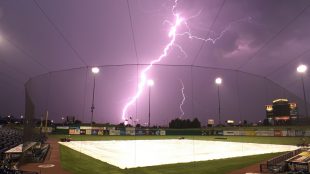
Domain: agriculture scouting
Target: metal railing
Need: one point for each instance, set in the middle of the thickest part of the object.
(276, 163)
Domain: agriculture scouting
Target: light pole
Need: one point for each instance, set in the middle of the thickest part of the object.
(302, 70)
(62, 119)
(150, 83)
(218, 81)
(95, 70)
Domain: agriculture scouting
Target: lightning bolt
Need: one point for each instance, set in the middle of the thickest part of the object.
(183, 100)
(172, 34)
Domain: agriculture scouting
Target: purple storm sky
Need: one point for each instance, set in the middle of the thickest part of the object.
(48, 45)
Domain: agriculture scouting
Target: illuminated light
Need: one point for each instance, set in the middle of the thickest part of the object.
(210, 121)
(293, 105)
(150, 83)
(218, 80)
(95, 70)
(230, 121)
(302, 68)
(282, 118)
(269, 108)
(280, 100)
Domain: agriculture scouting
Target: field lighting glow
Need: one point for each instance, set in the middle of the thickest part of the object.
(302, 68)
(218, 80)
(95, 70)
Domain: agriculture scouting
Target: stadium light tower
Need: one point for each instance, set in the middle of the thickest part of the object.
(218, 82)
(62, 120)
(302, 69)
(95, 70)
(150, 83)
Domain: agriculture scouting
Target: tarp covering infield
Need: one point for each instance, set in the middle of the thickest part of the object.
(141, 153)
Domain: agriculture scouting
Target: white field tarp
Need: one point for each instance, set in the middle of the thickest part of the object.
(141, 153)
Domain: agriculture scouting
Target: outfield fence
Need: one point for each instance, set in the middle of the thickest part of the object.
(131, 131)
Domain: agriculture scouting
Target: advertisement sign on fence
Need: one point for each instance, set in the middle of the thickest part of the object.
(100, 132)
(94, 131)
(88, 131)
(62, 127)
(231, 133)
(250, 133)
(74, 131)
(284, 133)
(265, 133)
(82, 132)
(307, 133)
(291, 133)
(278, 133)
(130, 131)
(115, 132)
(299, 133)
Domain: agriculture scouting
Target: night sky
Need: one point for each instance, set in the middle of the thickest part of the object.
(49, 47)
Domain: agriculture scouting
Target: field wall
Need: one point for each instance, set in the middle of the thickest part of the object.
(130, 131)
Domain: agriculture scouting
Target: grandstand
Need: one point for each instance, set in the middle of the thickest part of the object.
(15, 151)
(9, 138)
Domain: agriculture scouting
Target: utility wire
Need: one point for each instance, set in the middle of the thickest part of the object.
(60, 33)
(274, 37)
(287, 63)
(135, 48)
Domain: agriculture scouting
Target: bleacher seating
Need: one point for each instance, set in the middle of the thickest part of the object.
(9, 138)
(8, 171)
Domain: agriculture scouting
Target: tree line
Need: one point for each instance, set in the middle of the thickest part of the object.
(184, 123)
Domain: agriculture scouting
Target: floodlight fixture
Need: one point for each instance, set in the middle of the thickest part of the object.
(302, 68)
(95, 70)
(218, 81)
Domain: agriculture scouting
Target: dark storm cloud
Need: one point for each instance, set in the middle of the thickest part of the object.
(258, 22)
(264, 39)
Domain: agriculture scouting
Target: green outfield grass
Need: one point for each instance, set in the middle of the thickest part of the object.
(78, 163)
(246, 139)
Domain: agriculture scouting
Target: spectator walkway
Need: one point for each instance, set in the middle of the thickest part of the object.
(51, 165)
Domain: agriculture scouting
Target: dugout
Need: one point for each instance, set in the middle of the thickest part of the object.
(299, 163)
(14, 154)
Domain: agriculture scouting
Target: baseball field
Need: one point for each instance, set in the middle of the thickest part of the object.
(78, 163)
